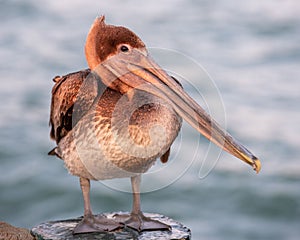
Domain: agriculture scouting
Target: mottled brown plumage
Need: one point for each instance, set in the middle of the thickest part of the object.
(77, 111)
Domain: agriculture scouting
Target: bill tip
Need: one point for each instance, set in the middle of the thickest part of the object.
(256, 165)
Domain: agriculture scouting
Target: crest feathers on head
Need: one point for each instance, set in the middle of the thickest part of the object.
(101, 19)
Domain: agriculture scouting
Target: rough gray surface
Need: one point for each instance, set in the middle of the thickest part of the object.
(58, 230)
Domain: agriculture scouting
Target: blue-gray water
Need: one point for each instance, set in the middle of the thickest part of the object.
(252, 51)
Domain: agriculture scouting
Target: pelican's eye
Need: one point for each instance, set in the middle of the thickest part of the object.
(124, 48)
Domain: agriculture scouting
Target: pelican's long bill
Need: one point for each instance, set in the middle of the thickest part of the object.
(135, 69)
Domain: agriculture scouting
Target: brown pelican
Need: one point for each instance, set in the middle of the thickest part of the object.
(116, 118)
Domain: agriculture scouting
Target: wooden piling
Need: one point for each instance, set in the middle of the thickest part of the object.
(59, 230)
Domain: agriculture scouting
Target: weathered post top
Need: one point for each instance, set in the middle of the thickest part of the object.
(59, 230)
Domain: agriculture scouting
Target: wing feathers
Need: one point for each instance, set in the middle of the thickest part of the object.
(72, 96)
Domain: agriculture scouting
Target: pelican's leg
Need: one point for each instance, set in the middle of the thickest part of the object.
(137, 220)
(91, 223)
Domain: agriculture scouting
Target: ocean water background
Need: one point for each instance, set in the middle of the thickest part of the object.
(251, 51)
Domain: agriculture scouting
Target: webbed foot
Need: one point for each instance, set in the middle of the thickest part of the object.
(97, 223)
(141, 223)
